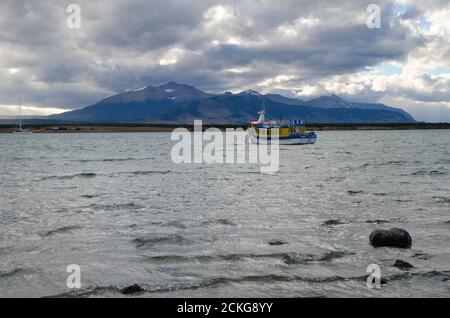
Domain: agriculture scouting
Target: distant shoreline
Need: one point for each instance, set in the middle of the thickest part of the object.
(118, 128)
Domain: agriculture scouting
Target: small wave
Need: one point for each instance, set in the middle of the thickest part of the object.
(6, 250)
(87, 196)
(142, 288)
(332, 255)
(402, 200)
(379, 194)
(105, 160)
(399, 220)
(428, 172)
(299, 258)
(264, 279)
(426, 275)
(377, 221)
(84, 175)
(149, 172)
(219, 222)
(345, 152)
(113, 159)
(211, 258)
(68, 177)
(145, 172)
(333, 222)
(249, 172)
(176, 224)
(169, 258)
(354, 192)
(335, 178)
(207, 283)
(63, 229)
(87, 292)
(117, 159)
(10, 272)
(392, 163)
(114, 207)
(421, 256)
(441, 199)
(276, 242)
(151, 241)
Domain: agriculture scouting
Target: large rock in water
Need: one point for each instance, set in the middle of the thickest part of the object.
(133, 289)
(390, 238)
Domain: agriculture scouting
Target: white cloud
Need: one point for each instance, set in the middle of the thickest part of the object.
(298, 26)
(13, 110)
(239, 70)
(172, 56)
(219, 14)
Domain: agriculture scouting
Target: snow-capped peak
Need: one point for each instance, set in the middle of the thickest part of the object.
(251, 92)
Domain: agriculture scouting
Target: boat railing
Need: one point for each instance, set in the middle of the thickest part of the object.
(282, 123)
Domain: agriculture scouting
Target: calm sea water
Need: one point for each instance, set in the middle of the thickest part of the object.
(117, 206)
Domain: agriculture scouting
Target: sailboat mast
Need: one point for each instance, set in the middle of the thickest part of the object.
(20, 115)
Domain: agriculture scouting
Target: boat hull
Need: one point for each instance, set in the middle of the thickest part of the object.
(22, 132)
(295, 140)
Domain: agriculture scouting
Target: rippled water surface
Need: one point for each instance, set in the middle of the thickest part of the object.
(116, 205)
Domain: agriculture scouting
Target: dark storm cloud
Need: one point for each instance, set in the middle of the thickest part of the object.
(216, 45)
(144, 25)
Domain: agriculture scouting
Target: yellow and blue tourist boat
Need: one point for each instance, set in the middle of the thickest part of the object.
(287, 132)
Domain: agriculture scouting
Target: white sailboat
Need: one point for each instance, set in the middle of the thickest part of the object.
(19, 130)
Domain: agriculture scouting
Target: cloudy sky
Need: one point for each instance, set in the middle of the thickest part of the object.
(302, 48)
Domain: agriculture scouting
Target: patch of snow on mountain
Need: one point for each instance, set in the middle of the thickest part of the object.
(139, 89)
(251, 92)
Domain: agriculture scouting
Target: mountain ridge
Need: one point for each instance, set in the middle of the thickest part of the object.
(174, 103)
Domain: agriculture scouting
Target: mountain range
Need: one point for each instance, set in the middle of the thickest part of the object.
(174, 103)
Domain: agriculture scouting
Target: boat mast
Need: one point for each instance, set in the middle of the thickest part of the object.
(262, 113)
(20, 115)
